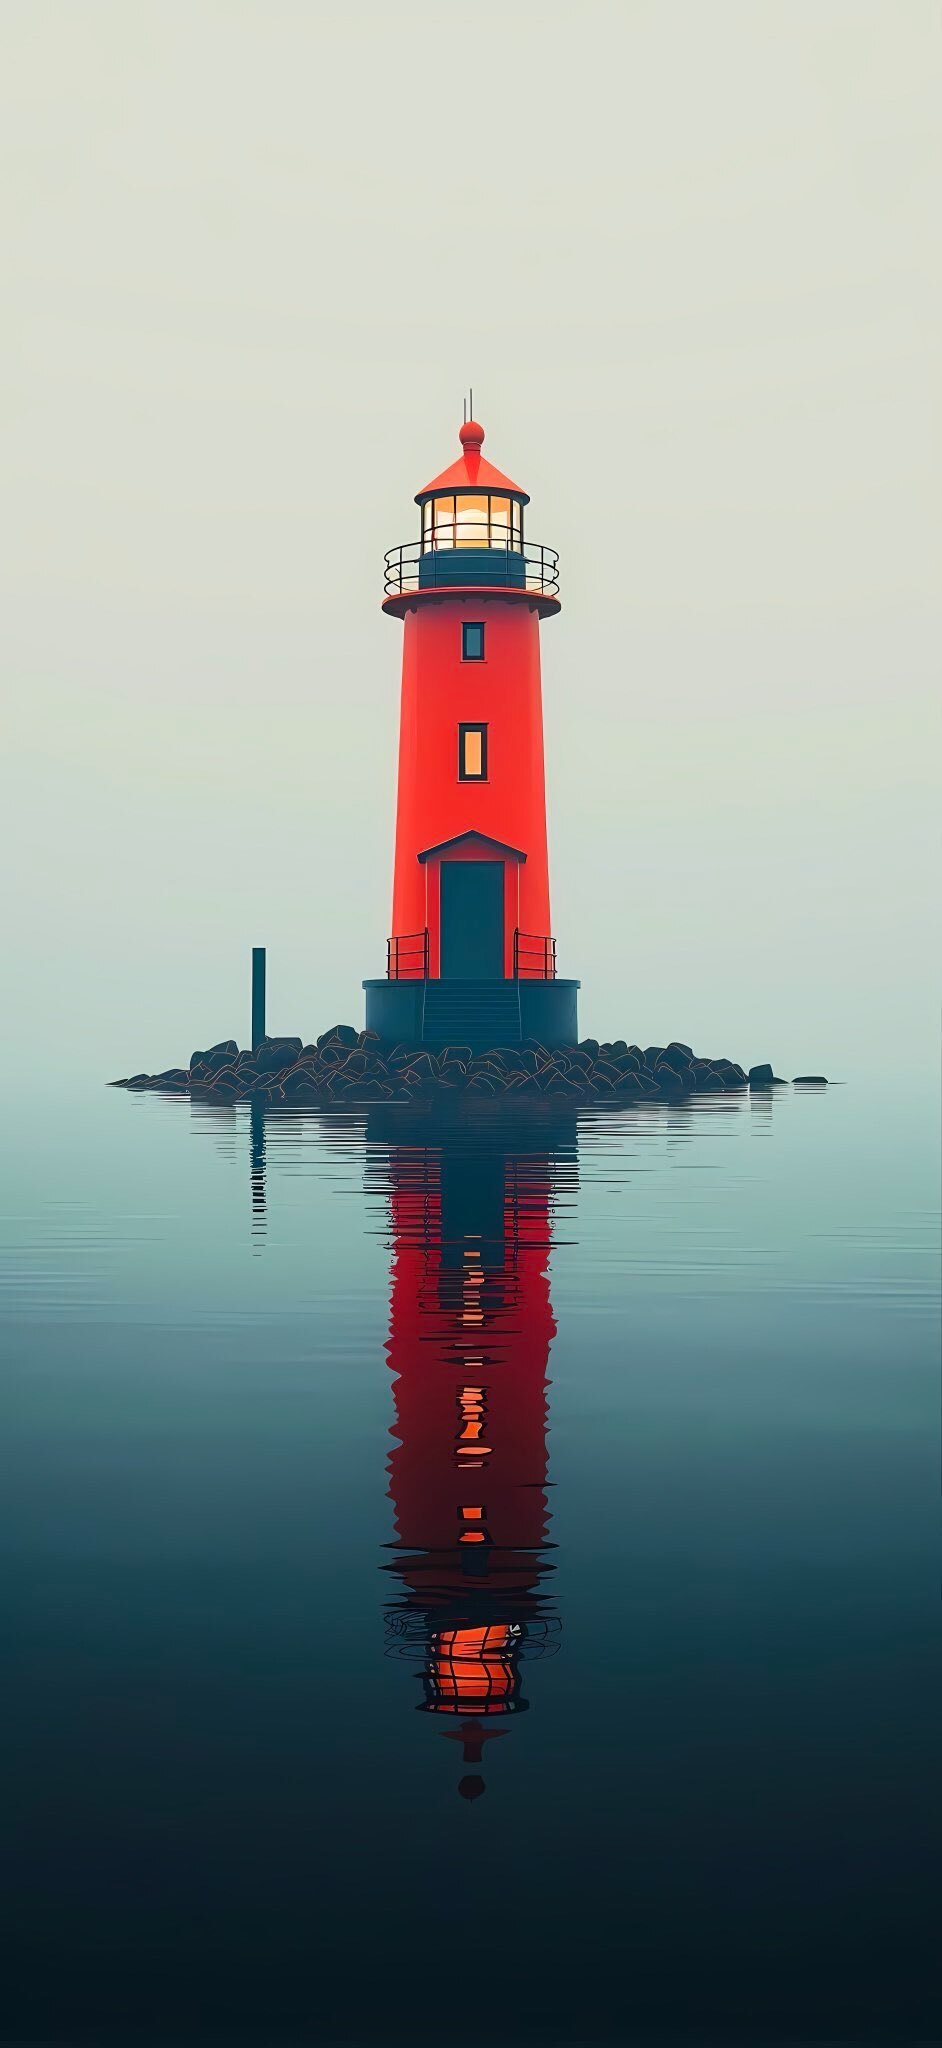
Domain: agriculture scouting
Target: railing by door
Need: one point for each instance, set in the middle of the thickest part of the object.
(534, 957)
(407, 956)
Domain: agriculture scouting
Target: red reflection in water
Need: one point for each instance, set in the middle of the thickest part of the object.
(470, 1330)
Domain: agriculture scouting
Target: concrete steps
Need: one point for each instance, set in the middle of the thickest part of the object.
(475, 1013)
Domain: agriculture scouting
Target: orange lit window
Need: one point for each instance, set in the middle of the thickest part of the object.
(470, 521)
(472, 753)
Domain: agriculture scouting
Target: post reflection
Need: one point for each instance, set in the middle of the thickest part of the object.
(470, 1329)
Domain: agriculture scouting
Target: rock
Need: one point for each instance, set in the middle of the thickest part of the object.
(761, 1077)
(652, 1054)
(709, 1082)
(733, 1076)
(675, 1057)
(211, 1062)
(810, 1080)
(677, 1045)
(339, 1034)
(273, 1059)
(368, 1038)
(403, 1055)
(589, 1045)
(618, 1047)
(509, 1057)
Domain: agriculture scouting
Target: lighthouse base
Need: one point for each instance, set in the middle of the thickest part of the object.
(475, 1013)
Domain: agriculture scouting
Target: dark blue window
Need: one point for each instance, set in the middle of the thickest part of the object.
(472, 642)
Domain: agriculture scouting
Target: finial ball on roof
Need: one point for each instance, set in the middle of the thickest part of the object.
(471, 435)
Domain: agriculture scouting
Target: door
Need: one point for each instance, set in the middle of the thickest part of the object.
(472, 909)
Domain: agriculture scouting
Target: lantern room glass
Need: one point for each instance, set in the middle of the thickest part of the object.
(472, 519)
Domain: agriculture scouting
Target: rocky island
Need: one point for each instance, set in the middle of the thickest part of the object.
(347, 1065)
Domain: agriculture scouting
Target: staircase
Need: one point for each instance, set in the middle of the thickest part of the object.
(475, 1013)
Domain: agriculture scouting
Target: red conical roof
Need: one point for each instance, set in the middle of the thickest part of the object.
(472, 472)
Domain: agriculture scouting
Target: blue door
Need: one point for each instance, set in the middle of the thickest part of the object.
(472, 904)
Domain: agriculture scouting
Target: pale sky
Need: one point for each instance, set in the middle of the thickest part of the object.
(686, 254)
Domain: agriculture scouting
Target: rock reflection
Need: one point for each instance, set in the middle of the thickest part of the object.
(470, 1330)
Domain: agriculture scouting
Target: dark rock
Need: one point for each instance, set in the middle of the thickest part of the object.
(627, 1062)
(578, 1061)
(273, 1059)
(618, 1047)
(482, 1084)
(169, 1074)
(368, 1038)
(709, 1082)
(676, 1057)
(226, 1045)
(138, 1081)
(761, 1077)
(652, 1054)
(403, 1055)
(677, 1045)
(589, 1045)
(810, 1080)
(339, 1034)
(211, 1062)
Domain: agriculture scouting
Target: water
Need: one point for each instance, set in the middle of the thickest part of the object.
(474, 1581)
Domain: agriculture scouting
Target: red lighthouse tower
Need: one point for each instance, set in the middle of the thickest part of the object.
(471, 957)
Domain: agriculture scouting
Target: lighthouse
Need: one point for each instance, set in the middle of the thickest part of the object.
(471, 956)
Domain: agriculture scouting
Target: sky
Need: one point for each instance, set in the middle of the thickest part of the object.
(685, 252)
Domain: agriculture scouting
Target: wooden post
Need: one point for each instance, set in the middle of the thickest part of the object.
(258, 995)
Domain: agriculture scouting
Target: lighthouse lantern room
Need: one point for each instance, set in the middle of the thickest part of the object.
(471, 958)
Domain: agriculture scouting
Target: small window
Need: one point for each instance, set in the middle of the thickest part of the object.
(472, 642)
(472, 753)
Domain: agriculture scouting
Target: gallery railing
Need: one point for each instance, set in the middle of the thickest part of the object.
(534, 957)
(407, 956)
(469, 554)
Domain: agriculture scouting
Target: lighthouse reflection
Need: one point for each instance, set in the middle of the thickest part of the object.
(470, 1328)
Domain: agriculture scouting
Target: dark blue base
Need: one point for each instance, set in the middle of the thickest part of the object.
(475, 1013)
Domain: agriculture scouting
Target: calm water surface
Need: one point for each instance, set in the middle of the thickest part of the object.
(471, 1582)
